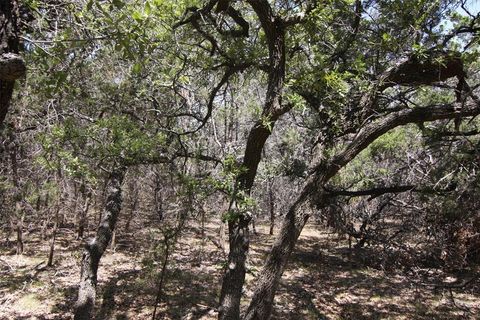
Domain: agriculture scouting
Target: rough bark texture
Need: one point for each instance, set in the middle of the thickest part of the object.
(9, 45)
(271, 200)
(52, 244)
(261, 305)
(94, 248)
(12, 67)
(234, 277)
(436, 66)
(235, 273)
(314, 193)
(83, 217)
(19, 231)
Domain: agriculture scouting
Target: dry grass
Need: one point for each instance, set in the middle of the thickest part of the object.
(325, 280)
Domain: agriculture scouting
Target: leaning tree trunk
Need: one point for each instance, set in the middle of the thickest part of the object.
(94, 248)
(314, 193)
(12, 65)
(261, 306)
(234, 277)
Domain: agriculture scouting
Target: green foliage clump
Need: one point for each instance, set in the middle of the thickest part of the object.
(74, 146)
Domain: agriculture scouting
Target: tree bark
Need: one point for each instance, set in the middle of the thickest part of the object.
(314, 194)
(19, 230)
(83, 217)
(52, 241)
(234, 277)
(267, 282)
(12, 65)
(271, 202)
(238, 232)
(94, 248)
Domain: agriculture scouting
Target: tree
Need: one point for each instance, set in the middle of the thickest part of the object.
(180, 109)
(410, 73)
(342, 79)
(110, 137)
(274, 28)
(12, 65)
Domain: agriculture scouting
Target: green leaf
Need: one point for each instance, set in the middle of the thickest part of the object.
(137, 15)
(148, 9)
(137, 67)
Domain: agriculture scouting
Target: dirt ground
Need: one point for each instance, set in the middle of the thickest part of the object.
(324, 280)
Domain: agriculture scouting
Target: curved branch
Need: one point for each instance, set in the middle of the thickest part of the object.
(222, 6)
(262, 301)
(326, 170)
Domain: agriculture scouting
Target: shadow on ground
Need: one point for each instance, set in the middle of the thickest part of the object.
(324, 280)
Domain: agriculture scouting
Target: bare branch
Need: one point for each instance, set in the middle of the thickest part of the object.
(231, 70)
(373, 193)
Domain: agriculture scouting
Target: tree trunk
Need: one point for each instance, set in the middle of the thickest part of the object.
(19, 234)
(271, 200)
(113, 243)
(43, 230)
(54, 235)
(234, 277)
(12, 65)
(314, 193)
(158, 296)
(83, 218)
(47, 220)
(94, 248)
(202, 223)
(261, 305)
(52, 245)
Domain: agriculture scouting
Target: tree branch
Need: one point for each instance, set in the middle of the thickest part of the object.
(376, 192)
(420, 114)
(325, 170)
(231, 70)
(373, 193)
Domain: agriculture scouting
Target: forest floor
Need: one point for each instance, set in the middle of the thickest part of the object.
(324, 280)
